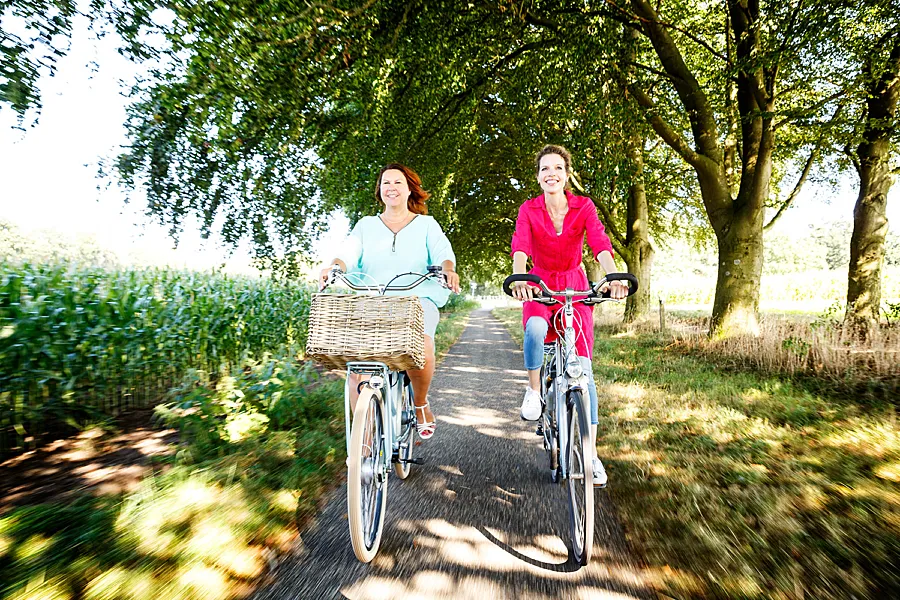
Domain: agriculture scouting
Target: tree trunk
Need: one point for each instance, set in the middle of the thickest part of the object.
(736, 221)
(640, 253)
(638, 305)
(591, 267)
(736, 303)
(870, 223)
(870, 227)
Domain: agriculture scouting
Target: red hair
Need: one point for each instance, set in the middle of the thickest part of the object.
(417, 195)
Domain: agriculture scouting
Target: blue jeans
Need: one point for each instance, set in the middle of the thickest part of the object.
(535, 332)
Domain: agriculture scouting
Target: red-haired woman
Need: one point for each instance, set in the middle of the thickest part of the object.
(403, 239)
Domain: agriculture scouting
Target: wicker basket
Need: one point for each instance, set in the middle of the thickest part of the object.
(388, 329)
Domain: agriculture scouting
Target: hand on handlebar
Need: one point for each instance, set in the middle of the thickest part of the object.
(617, 289)
(524, 292)
(325, 276)
(452, 280)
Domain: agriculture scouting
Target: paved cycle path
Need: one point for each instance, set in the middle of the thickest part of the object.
(480, 519)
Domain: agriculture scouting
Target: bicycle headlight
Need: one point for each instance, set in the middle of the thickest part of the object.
(574, 369)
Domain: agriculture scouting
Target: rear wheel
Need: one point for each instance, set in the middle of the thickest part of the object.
(581, 480)
(367, 475)
(549, 424)
(407, 431)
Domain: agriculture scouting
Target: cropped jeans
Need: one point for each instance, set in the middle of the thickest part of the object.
(535, 333)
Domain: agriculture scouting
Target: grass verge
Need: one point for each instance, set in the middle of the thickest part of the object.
(261, 447)
(741, 485)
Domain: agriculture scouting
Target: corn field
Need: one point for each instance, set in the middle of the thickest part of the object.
(81, 343)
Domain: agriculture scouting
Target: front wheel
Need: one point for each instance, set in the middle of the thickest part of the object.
(580, 480)
(367, 475)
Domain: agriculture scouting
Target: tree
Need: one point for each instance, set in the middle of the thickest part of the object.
(45, 27)
(340, 87)
(248, 92)
(876, 46)
(731, 78)
(35, 34)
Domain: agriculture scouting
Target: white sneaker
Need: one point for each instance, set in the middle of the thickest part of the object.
(599, 473)
(531, 405)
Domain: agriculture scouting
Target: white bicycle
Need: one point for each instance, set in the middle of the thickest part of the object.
(380, 432)
(565, 419)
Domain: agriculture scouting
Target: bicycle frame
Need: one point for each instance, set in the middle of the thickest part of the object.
(564, 383)
(379, 431)
(379, 374)
(568, 417)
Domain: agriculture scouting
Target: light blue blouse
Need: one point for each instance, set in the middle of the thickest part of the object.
(375, 253)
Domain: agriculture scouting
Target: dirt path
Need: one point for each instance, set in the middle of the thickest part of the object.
(480, 519)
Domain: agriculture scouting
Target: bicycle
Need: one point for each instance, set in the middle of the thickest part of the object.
(563, 389)
(380, 431)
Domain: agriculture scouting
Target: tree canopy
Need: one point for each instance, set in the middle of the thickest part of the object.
(261, 118)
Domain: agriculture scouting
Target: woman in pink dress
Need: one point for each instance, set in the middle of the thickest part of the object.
(551, 230)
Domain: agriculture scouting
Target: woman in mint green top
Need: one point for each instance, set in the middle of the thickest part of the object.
(377, 254)
(402, 239)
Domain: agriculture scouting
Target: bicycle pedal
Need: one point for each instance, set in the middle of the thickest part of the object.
(540, 430)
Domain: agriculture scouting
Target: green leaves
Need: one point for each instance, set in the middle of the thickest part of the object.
(35, 34)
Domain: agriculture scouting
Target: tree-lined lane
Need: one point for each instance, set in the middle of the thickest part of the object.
(480, 518)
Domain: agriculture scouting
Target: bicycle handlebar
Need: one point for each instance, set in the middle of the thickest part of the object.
(434, 272)
(547, 296)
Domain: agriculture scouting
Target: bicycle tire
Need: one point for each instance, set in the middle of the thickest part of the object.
(403, 467)
(366, 475)
(580, 480)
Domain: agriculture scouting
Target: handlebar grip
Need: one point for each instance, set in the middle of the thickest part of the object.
(520, 277)
(622, 277)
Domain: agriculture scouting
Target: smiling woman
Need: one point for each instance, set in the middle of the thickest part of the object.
(403, 239)
(550, 230)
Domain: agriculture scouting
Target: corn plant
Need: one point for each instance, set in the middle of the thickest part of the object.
(77, 343)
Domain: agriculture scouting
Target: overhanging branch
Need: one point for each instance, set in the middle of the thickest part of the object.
(813, 156)
(455, 101)
(662, 127)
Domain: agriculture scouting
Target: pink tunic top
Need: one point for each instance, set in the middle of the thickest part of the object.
(557, 258)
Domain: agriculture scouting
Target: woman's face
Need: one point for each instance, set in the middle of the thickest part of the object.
(394, 189)
(552, 173)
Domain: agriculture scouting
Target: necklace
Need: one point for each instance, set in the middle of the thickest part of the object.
(557, 218)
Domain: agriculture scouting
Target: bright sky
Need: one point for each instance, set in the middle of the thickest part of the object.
(48, 172)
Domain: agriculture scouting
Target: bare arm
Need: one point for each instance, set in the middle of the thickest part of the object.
(450, 273)
(521, 290)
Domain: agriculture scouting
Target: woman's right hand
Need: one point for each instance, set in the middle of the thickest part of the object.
(324, 274)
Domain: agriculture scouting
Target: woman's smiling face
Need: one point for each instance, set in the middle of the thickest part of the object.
(394, 188)
(552, 174)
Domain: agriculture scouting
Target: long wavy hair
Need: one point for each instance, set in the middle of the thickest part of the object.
(417, 195)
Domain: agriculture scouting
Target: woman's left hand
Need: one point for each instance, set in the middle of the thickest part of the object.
(452, 280)
(617, 289)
